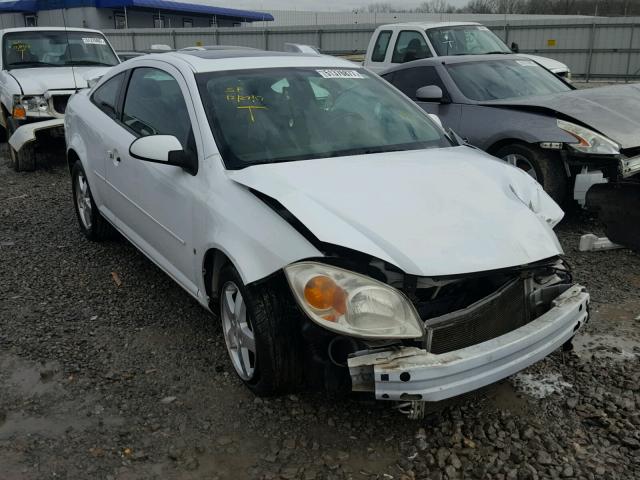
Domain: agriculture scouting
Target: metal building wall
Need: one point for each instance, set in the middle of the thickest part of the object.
(592, 47)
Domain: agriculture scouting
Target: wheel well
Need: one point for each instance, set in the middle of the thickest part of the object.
(212, 264)
(72, 158)
(503, 143)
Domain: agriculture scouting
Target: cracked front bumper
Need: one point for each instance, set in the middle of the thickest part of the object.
(410, 373)
(26, 133)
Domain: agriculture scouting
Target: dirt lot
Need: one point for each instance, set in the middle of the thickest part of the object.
(108, 370)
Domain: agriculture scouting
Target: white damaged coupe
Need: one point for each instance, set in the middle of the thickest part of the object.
(346, 241)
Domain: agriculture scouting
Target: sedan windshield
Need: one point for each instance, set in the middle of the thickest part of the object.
(278, 114)
(40, 48)
(465, 40)
(502, 79)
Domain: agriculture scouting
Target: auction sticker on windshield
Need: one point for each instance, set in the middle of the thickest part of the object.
(340, 74)
(93, 41)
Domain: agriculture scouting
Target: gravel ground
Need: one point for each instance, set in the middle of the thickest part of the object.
(108, 370)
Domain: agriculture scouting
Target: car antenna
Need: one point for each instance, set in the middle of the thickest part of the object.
(66, 32)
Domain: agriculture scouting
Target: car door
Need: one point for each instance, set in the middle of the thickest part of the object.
(106, 98)
(409, 80)
(153, 203)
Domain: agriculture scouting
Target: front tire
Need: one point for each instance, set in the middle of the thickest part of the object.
(261, 332)
(92, 223)
(545, 167)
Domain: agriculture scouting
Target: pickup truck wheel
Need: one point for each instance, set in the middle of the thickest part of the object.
(544, 167)
(259, 329)
(92, 223)
(25, 159)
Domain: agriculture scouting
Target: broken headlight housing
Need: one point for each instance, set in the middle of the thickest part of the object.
(588, 140)
(352, 304)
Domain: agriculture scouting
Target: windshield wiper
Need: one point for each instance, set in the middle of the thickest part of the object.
(495, 52)
(88, 62)
(32, 62)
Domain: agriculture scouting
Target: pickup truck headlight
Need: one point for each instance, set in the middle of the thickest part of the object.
(352, 304)
(588, 140)
(32, 103)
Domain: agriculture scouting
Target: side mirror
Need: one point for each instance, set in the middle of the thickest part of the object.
(515, 48)
(436, 120)
(164, 149)
(430, 93)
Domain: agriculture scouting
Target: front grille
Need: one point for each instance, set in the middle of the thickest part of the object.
(60, 103)
(495, 315)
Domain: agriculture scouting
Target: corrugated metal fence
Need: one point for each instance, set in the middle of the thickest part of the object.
(593, 48)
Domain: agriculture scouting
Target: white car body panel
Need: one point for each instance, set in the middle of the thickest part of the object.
(421, 27)
(386, 215)
(27, 133)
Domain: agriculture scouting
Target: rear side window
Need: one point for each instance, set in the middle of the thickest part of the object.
(380, 48)
(411, 79)
(410, 46)
(106, 96)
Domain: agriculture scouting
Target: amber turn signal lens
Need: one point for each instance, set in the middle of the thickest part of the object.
(322, 293)
(19, 112)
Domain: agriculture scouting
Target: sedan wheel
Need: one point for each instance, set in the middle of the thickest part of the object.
(522, 163)
(238, 331)
(83, 200)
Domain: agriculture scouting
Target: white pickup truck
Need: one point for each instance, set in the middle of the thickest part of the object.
(41, 67)
(413, 41)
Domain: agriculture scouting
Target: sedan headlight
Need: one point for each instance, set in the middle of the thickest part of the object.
(588, 140)
(352, 304)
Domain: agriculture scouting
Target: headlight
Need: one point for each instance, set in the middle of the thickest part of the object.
(352, 304)
(32, 103)
(589, 141)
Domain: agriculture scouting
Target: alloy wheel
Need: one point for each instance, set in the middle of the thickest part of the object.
(237, 331)
(83, 200)
(521, 162)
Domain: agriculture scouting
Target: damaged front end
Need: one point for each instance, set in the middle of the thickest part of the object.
(474, 330)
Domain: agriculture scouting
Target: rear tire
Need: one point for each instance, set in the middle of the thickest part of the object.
(92, 223)
(266, 319)
(545, 167)
(25, 159)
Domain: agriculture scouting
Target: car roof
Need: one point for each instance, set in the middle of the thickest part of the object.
(428, 25)
(452, 60)
(47, 29)
(221, 60)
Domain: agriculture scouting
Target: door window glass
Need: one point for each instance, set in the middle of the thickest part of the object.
(380, 48)
(410, 46)
(106, 96)
(155, 106)
(411, 79)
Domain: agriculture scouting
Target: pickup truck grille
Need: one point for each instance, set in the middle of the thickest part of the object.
(499, 313)
(60, 103)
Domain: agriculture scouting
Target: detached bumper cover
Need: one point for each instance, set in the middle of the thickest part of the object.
(410, 373)
(27, 132)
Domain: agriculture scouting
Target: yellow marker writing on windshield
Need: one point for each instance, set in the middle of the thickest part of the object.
(251, 108)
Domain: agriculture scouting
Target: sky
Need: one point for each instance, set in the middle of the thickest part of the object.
(314, 5)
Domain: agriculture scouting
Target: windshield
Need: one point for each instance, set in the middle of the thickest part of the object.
(40, 48)
(465, 40)
(283, 114)
(502, 79)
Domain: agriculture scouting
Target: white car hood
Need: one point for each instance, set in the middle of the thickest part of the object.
(36, 81)
(429, 212)
(548, 63)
